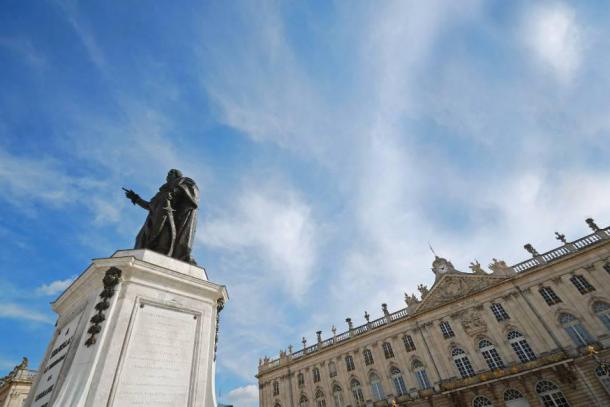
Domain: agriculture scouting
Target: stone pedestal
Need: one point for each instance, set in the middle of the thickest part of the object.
(136, 329)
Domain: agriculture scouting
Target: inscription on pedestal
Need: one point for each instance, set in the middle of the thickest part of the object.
(54, 362)
(158, 364)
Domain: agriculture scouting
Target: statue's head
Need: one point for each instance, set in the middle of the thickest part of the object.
(173, 174)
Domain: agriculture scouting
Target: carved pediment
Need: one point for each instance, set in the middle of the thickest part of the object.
(453, 286)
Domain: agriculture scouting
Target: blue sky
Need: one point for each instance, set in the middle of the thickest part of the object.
(331, 142)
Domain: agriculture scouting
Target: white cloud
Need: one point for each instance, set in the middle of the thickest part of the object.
(245, 396)
(19, 312)
(555, 37)
(275, 225)
(54, 287)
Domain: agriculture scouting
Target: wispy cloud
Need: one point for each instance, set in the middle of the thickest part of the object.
(245, 396)
(84, 31)
(19, 312)
(6, 364)
(24, 48)
(54, 287)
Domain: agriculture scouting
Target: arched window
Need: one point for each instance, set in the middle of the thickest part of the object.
(337, 396)
(421, 375)
(602, 310)
(579, 335)
(376, 387)
(387, 350)
(520, 346)
(399, 382)
(446, 330)
(512, 394)
(462, 362)
(276, 388)
(332, 369)
(481, 401)
(320, 402)
(499, 312)
(316, 375)
(549, 295)
(303, 401)
(368, 357)
(357, 392)
(581, 284)
(300, 379)
(349, 363)
(603, 377)
(409, 344)
(491, 355)
(550, 395)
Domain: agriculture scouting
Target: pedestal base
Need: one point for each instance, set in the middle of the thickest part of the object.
(136, 329)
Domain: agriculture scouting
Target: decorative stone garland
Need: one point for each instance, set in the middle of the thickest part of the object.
(220, 304)
(111, 280)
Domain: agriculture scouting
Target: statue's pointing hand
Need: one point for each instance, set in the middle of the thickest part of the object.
(133, 197)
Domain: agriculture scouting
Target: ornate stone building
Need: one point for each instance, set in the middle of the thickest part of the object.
(533, 334)
(15, 386)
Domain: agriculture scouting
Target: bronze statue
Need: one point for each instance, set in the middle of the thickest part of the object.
(172, 217)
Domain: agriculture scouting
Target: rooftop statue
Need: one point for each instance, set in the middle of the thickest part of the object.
(172, 217)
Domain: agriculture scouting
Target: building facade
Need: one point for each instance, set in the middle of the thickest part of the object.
(15, 386)
(533, 334)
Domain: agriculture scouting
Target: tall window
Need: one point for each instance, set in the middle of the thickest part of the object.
(602, 310)
(332, 369)
(603, 377)
(349, 363)
(499, 312)
(512, 394)
(316, 375)
(421, 375)
(303, 401)
(520, 346)
(481, 401)
(399, 382)
(300, 379)
(550, 395)
(337, 396)
(409, 344)
(368, 357)
(549, 295)
(357, 392)
(276, 389)
(491, 355)
(579, 335)
(462, 362)
(581, 284)
(376, 387)
(320, 401)
(387, 350)
(446, 330)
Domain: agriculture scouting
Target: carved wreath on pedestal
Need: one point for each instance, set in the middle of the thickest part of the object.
(111, 280)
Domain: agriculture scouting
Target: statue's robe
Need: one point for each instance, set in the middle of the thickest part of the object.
(172, 218)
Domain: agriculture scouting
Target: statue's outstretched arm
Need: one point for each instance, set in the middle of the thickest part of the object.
(135, 199)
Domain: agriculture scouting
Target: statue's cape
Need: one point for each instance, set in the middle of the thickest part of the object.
(157, 234)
